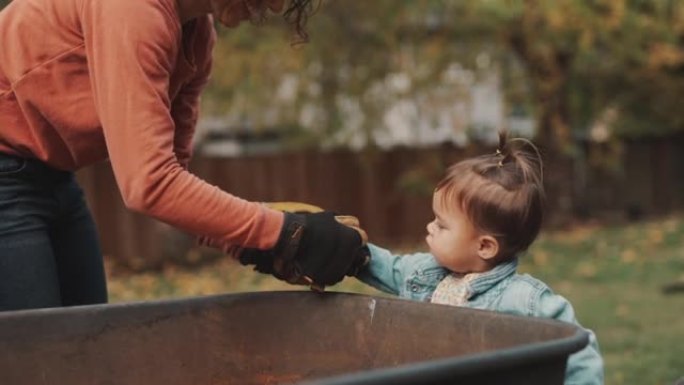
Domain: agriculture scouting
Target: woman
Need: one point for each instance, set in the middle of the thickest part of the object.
(86, 80)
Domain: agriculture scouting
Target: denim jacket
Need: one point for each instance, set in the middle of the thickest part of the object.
(416, 276)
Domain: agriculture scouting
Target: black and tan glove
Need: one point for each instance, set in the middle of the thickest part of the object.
(315, 248)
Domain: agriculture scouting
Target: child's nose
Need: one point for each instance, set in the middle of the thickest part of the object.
(430, 226)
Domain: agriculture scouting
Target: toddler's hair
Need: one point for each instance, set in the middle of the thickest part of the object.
(502, 194)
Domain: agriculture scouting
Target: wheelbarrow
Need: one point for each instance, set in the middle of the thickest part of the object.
(272, 338)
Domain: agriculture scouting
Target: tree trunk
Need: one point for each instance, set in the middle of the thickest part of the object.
(549, 71)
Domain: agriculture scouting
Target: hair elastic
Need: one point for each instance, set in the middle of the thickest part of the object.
(499, 153)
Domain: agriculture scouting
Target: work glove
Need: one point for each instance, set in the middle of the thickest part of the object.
(315, 247)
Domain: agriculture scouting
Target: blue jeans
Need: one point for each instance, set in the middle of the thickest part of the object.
(49, 251)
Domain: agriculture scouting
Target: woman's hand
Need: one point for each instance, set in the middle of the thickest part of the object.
(315, 249)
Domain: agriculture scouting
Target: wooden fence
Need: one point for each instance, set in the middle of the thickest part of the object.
(390, 191)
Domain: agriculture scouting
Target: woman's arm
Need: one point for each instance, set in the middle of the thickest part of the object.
(185, 107)
(132, 48)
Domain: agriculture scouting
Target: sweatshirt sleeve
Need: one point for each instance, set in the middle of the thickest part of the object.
(185, 111)
(185, 107)
(388, 272)
(131, 47)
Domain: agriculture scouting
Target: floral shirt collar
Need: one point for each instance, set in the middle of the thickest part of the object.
(456, 289)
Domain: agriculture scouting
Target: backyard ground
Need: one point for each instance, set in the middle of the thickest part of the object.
(613, 274)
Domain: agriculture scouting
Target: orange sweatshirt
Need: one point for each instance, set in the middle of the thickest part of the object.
(86, 80)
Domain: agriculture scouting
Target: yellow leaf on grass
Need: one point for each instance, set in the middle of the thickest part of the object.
(628, 256)
(622, 311)
(655, 236)
(540, 258)
(586, 270)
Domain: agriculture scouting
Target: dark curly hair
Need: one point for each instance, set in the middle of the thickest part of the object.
(296, 14)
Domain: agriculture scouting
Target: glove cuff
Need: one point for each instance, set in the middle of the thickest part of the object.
(290, 237)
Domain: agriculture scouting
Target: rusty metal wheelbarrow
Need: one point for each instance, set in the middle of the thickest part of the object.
(281, 338)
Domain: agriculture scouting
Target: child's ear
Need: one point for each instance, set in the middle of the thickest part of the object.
(488, 247)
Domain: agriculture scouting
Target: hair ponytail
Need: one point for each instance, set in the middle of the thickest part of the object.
(524, 155)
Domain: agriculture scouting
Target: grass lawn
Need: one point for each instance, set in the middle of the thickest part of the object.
(613, 275)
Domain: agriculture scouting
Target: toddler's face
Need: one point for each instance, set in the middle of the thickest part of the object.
(453, 239)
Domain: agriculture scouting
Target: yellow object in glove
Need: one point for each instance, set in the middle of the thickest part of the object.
(315, 269)
(293, 207)
(297, 270)
(299, 207)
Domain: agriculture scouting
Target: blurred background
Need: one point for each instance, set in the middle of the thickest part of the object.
(365, 117)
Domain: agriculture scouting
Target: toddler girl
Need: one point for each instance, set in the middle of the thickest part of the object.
(488, 210)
